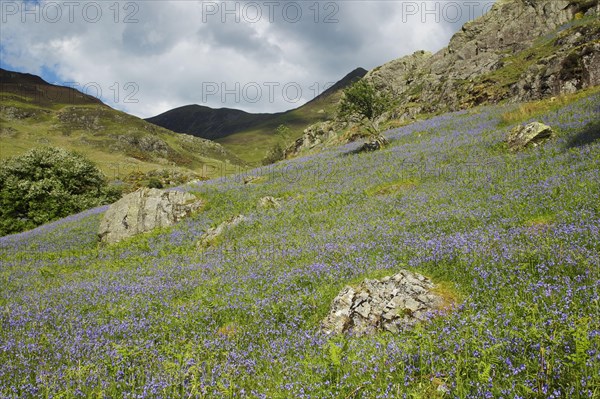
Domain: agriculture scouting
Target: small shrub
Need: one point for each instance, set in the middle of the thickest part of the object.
(363, 103)
(46, 184)
(154, 183)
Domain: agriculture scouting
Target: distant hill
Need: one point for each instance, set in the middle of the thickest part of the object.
(34, 113)
(250, 135)
(208, 123)
(36, 91)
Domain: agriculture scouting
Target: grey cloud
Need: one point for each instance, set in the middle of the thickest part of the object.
(173, 49)
(240, 37)
(155, 29)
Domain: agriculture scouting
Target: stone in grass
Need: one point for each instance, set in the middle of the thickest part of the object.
(145, 210)
(252, 179)
(376, 143)
(532, 134)
(269, 202)
(211, 235)
(393, 304)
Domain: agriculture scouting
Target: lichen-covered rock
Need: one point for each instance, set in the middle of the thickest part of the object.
(313, 136)
(269, 202)
(211, 235)
(252, 179)
(532, 134)
(145, 210)
(500, 56)
(393, 304)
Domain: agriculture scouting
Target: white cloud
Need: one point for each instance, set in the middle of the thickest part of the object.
(165, 54)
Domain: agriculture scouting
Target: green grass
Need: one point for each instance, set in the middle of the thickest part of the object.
(534, 109)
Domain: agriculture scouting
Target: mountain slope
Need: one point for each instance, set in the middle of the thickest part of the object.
(34, 113)
(206, 122)
(514, 237)
(521, 50)
(250, 135)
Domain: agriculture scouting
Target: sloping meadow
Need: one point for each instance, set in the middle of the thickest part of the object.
(513, 238)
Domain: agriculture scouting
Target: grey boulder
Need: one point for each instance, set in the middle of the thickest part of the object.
(145, 210)
(393, 304)
(532, 134)
(269, 202)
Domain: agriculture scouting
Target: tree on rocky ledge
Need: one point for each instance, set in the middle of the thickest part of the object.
(362, 103)
(48, 183)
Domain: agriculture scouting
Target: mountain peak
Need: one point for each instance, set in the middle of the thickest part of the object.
(223, 123)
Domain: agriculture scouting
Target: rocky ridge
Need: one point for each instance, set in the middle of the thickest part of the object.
(521, 50)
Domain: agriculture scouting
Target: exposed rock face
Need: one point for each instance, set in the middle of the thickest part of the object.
(211, 235)
(145, 210)
(516, 51)
(314, 135)
(146, 144)
(392, 304)
(269, 202)
(533, 134)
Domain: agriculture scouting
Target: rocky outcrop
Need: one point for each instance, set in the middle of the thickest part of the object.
(313, 136)
(211, 235)
(520, 50)
(18, 113)
(530, 135)
(145, 144)
(252, 179)
(374, 144)
(145, 210)
(391, 304)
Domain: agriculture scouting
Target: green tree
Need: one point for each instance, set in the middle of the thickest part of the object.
(48, 183)
(362, 103)
(282, 131)
(277, 152)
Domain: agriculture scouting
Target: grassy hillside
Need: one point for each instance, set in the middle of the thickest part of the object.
(250, 136)
(515, 236)
(252, 143)
(34, 113)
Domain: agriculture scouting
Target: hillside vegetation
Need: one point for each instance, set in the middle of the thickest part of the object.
(513, 236)
(34, 113)
(46, 184)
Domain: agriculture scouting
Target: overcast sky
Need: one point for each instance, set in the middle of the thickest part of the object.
(146, 57)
